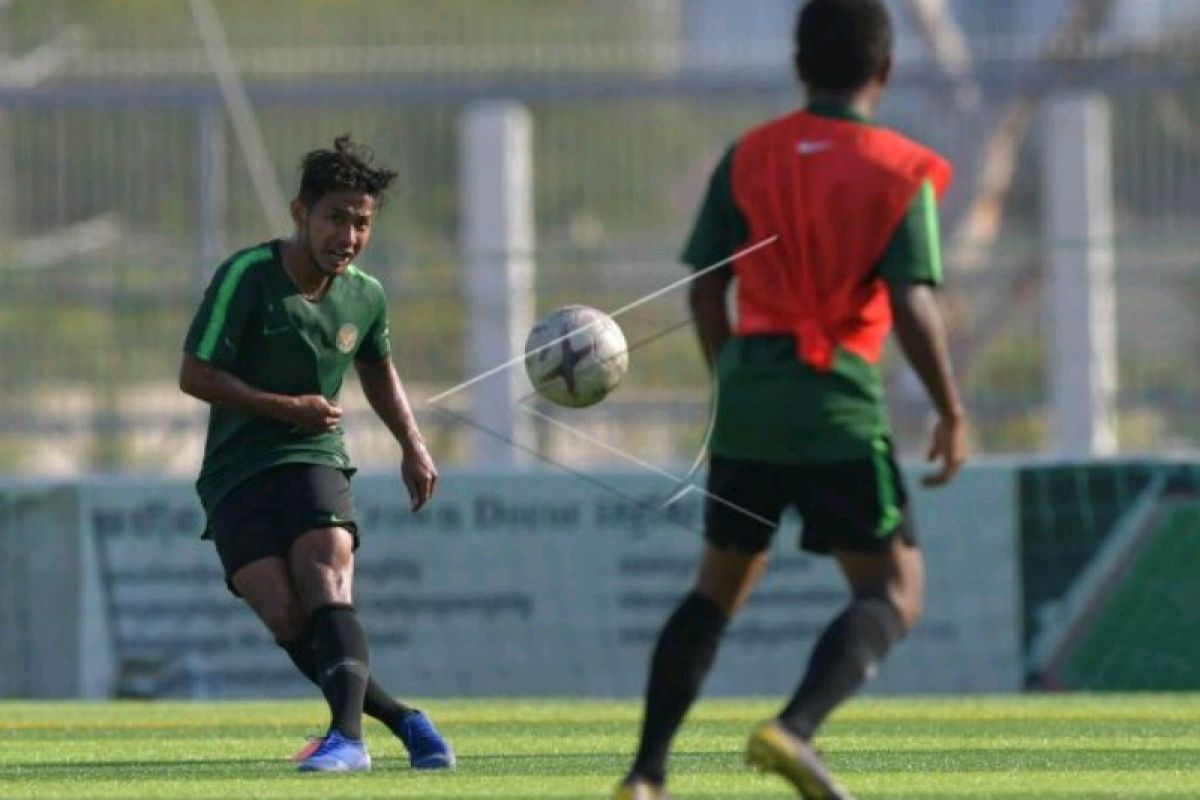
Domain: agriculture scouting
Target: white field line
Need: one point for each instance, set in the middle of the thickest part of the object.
(613, 314)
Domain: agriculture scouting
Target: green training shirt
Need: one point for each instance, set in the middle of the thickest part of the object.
(770, 405)
(256, 324)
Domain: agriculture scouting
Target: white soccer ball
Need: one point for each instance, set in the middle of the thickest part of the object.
(575, 356)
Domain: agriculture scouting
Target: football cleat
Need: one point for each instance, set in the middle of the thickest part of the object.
(310, 746)
(773, 748)
(336, 753)
(426, 747)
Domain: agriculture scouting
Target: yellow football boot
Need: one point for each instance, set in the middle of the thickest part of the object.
(773, 748)
(640, 790)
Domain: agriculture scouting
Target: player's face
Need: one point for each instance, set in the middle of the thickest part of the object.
(336, 229)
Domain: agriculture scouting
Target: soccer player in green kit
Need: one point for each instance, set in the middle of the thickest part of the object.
(278, 327)
(800, 418)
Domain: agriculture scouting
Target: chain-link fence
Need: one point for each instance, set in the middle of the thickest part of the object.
(121, 190)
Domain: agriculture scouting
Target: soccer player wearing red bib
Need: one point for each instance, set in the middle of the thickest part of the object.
(800, 417)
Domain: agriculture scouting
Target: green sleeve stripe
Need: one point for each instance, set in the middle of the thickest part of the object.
(366, 276)
(220, 308)
(933, 238)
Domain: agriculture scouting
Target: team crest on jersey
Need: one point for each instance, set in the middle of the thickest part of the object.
(347, 337)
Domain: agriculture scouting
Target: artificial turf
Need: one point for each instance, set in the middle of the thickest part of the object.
(1046, 746)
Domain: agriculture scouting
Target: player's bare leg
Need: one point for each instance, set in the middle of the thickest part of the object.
(321, 562)
(266, 586)
(727, 577)
(685, 651)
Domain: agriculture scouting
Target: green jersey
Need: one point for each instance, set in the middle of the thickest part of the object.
(255, 324)
(770, 405)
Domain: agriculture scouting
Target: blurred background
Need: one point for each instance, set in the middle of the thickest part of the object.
(143, 141)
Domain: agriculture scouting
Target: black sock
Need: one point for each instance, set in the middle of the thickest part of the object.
(846, 656)
(377, 703)
(300, 651)
(343, 665)
(382, 706)
(686, 649)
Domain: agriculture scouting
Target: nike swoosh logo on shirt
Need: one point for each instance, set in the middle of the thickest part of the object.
(269, 330)
(808, 147)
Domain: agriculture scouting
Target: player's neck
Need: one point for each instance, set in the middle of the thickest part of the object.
(862, 103)
(299, 266)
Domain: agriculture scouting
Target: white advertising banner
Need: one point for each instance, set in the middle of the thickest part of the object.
(541, 583)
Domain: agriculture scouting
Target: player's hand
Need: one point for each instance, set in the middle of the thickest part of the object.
(949, 446)
(314, 412)
(419, 473)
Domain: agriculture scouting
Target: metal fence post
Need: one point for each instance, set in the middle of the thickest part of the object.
(1077, 198)
(496, 241)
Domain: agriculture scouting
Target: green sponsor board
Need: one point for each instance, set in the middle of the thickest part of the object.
(1111, 576)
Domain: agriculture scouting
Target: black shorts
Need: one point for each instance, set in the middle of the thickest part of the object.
(266, 513)
(856, 505)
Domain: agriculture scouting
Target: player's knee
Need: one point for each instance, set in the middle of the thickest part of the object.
(329, 548)
(320, 585)
(909, 602)
(322, 564)
(911, 605)
(906, 589)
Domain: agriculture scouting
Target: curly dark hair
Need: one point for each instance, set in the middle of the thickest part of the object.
(347, 167)
(843, 44)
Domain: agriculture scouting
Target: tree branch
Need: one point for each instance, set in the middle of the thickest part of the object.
(944, 38)
(976, 225)
(42, 62)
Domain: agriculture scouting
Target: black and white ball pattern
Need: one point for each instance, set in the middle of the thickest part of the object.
(576, 356)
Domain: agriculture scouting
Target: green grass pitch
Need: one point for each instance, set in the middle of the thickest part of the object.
(1062, 746)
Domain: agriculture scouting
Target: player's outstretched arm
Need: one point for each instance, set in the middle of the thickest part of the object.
(922, 336)
(217, 387)
(384, 391)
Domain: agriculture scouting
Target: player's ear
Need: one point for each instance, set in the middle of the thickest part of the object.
(885, 71)
(799, 65)
(299, 212)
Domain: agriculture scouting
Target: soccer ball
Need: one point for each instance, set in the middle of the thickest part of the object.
(575, 356)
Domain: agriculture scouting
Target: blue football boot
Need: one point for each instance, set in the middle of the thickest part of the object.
(336, 753)
(426, 747)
